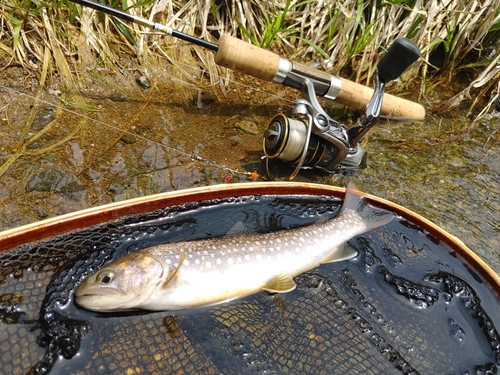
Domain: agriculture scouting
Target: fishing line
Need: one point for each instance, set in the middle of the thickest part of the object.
(192, 156)
(222, 80)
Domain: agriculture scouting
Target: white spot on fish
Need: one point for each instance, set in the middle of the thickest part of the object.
(186, 262)
(208, 264)
(247, 257)
(218, 261)
(240, 260)
(259, 257)
(169, 261)
(230, 261)
(197, 261)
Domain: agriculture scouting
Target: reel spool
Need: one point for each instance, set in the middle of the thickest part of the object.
(286, 139)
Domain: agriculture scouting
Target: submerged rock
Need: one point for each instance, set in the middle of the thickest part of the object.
(43, 117)
(58, 181)
(248, 127)
(154, 157)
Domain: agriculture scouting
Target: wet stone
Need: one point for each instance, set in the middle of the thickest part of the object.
(44, 116)
(118, 164)
(154, 157)
(59, 181)
(236, 140)
(116, 189)
(161, 179)
(42, 213)
(76, 154)
(248, 127)
(128, 138)
(183, 177)
(143, 82)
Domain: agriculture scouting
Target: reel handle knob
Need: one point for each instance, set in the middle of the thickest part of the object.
(398, 58)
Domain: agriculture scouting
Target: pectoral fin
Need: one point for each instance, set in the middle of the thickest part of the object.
(344, 252)
(281, 283)
(169, 279)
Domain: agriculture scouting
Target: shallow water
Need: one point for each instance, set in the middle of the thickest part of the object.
(131, 142)
(407, 304)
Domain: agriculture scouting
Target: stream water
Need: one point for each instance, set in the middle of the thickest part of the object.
(59, 154)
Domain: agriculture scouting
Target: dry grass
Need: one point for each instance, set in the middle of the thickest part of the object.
(350, 35)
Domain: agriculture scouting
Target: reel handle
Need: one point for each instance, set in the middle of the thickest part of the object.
(398, 58)
(241, 56)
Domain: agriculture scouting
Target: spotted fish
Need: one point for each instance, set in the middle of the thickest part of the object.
(183, 275)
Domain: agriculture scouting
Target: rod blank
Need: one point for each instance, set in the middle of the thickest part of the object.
(152, 25)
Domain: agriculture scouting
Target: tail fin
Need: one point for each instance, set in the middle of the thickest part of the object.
(356, 201)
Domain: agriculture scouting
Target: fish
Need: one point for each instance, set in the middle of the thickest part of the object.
(190, 274)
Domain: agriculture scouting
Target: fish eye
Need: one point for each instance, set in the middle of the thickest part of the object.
(105, 277)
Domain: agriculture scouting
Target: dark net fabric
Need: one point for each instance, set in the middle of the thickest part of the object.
(405, 305)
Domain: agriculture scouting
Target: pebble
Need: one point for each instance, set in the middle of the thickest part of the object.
(236, 139)
(248, 127)
(143, 82)
(128, 138)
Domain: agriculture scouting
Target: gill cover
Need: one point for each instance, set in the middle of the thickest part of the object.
(121, 285)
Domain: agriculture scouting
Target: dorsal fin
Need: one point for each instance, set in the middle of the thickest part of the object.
(182, 257)
(281, 283)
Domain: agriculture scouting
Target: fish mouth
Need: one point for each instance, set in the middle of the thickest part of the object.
(95, 299)
(94, 302)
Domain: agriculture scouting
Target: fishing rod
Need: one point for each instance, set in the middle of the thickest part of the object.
(309, 138)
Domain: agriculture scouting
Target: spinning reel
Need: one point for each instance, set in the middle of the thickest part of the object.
(312, 139)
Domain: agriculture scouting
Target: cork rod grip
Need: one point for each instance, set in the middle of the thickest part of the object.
(241, 56)
(357, 96)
